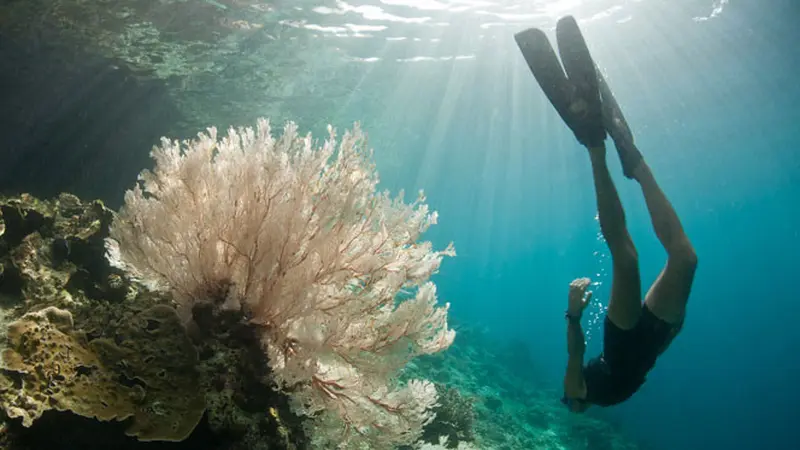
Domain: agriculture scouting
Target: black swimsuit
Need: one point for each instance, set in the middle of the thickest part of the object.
(627, 357)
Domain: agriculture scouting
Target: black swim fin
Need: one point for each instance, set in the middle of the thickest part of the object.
(546, 68)
(614, 121)
(579, 91)
(573, 90)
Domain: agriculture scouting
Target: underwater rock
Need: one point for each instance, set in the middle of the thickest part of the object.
(241, 399)
(50, 248)
(50, 365)
(84, 338)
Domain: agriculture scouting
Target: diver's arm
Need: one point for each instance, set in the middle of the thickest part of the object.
(574, 384)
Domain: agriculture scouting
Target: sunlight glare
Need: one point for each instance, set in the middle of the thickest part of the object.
(557, 8)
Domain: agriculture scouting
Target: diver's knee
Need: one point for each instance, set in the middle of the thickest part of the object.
(683, 255)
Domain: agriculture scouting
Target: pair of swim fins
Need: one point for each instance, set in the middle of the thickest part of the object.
(578, 91)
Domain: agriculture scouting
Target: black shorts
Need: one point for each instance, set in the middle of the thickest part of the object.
(627, 357)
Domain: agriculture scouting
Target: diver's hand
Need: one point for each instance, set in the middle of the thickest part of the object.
(579, 298)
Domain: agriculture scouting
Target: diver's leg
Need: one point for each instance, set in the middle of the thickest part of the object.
(624, 305)
(668, 296)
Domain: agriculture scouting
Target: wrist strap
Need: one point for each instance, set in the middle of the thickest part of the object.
(572, 318)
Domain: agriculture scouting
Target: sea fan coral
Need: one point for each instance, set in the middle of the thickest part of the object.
(299, 239)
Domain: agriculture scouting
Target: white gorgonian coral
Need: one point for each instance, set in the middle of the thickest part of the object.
(299, 238)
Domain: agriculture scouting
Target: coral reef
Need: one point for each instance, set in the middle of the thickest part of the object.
(455, 418)
(49, 365)
(81, 342)
(72, 321)
(241, 401)
(82, 338)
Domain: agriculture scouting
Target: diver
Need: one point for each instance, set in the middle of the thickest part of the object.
(634, 334)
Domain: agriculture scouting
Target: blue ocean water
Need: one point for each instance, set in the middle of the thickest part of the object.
(709, 90)
(714, 104)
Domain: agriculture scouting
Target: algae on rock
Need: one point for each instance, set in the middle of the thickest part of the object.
(50, 365)
(82, 338)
